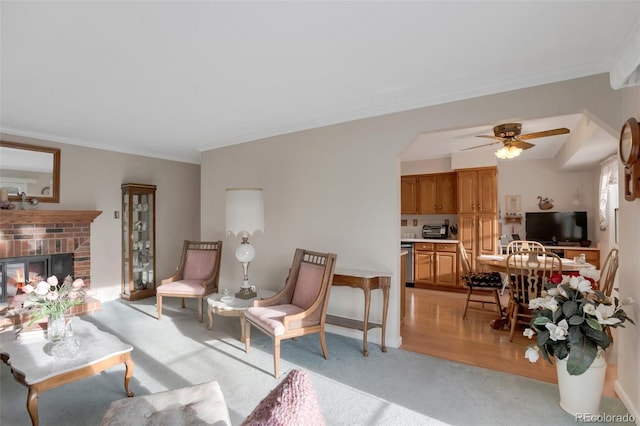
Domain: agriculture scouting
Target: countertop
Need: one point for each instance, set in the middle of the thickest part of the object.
(423, 240)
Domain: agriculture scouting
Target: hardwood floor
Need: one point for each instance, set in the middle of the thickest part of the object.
(433, 325)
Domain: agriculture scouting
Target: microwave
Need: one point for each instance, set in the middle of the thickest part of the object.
(438, 232)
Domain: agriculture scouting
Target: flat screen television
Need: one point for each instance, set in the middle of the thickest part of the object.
(551, 228)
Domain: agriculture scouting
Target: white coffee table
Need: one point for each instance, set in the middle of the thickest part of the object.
(233, 308)
(33, 365)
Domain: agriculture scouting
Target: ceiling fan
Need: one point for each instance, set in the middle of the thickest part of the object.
(513, 142)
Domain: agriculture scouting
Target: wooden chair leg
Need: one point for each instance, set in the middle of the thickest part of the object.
(323, 343)
(466, 303)
(496, 295)
(200, 309)
(159, 305)
(276, 357)
(514, 320)
(183, 305)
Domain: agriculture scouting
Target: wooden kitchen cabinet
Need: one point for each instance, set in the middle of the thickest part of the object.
(437, 194)
(477, 191)
(428, 194)
(408, 195)
(478, 233)
(436, 265)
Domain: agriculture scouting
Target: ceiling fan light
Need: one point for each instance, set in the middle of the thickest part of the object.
(507, 152)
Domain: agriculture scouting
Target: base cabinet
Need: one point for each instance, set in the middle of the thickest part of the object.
(436, 265)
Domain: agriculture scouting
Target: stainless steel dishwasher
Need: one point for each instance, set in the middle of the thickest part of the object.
(408, 263)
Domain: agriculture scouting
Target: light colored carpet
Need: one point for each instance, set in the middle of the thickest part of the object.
(393, 388)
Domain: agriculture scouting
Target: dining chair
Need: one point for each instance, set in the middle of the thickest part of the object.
(521, 245)
(299, 308)
(197, 274)
(608, 272)
(524, 245)
(480, 282)
(528, 272)
(608, 276)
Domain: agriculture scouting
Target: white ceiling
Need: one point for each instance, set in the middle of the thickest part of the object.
(171, 79)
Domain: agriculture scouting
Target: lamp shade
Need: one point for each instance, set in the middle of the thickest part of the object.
(508, 152)
(245, 211)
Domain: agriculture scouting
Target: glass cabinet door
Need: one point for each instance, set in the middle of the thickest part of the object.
(138, 241)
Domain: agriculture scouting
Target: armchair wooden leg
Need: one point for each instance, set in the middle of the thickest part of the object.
(183, 305)
(159, 305)
(323, 343)
(276, 357)
(200, 309)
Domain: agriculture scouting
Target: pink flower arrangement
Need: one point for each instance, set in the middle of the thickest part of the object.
(47, 298)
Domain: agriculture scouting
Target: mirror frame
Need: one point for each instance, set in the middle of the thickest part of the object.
(55, 194)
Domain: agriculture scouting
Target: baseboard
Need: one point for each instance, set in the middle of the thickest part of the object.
(628, 403)
(373, 336)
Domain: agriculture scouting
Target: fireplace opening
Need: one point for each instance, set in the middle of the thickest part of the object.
(16, 272)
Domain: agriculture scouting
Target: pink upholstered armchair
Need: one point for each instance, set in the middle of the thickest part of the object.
(197, 274)
(299, 308)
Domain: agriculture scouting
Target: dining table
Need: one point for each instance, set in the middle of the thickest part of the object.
(498, 263)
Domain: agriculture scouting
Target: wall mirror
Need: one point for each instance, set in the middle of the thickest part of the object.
(32, 169)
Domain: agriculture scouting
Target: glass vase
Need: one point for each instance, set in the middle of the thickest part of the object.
(55, 328)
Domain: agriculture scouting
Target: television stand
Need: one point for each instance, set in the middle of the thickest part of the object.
(592, 254)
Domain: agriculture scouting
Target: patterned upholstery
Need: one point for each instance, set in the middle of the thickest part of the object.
(201, 404)
(484, 279)
(199, 264)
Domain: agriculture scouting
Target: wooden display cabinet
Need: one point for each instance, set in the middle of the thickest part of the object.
(138, 241)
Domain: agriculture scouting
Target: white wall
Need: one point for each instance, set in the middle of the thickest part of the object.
(337, 188)
(90, 179)
(628, 384)
(533, 178)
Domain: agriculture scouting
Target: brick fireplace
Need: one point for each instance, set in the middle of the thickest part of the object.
(26, 233)
(47, 232)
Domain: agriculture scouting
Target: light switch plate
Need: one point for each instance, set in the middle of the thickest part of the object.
(415, 222)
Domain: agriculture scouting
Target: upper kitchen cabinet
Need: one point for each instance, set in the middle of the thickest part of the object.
(429, 194)
(477, 191)
(408, 195)
(437, 194)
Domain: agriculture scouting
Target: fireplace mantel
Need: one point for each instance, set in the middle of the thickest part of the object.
(39, 217)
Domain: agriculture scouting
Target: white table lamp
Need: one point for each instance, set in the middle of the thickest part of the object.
(245, 215)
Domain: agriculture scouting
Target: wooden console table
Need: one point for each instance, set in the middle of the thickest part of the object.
(367, 281)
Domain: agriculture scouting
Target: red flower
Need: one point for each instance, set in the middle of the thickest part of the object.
(556, 278)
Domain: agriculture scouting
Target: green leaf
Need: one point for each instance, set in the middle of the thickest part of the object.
(576, 320)
(594, 324)
(581, 356)
(542, 337)
(541, 321)
(569, 308)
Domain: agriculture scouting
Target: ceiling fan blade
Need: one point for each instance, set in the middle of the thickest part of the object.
(491, 137)
(480, 146)
(553, 132)
(522, 144)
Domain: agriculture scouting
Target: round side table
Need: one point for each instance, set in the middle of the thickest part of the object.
(233, 308)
